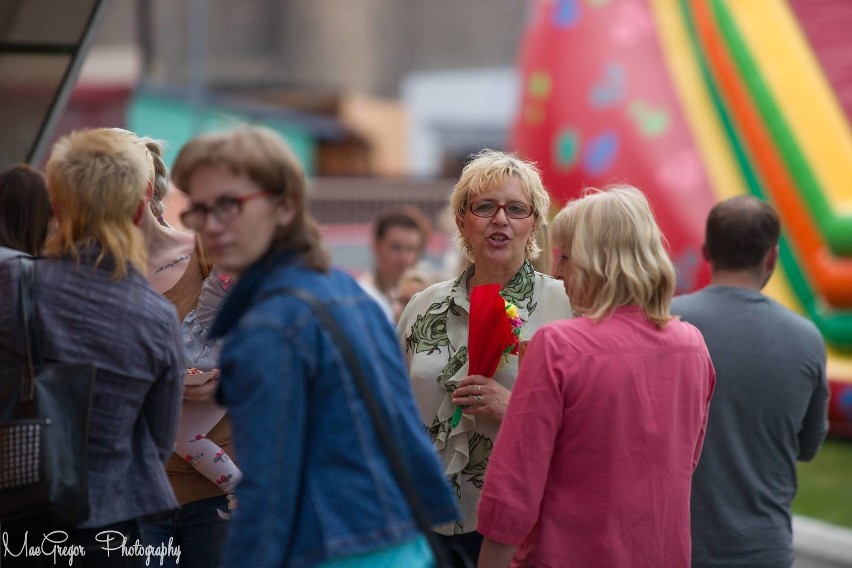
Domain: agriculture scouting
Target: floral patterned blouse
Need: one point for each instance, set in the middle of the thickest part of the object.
(433, 330)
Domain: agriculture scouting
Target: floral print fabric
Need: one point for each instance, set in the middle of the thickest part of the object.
(433, 330)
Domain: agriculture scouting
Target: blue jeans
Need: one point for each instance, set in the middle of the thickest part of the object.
(196, 527)
(469, 542)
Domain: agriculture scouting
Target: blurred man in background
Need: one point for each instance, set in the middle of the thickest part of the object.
(399, 239)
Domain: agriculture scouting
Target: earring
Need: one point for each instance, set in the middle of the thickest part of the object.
(468, 248)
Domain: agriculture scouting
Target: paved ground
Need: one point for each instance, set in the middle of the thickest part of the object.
(814, 563)
(821, 545)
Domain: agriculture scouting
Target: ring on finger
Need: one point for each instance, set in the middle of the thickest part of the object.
(478, 389)
(478, 400)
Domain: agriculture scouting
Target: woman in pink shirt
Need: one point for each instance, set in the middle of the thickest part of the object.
(594, 460)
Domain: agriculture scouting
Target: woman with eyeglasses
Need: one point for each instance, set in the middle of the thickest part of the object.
(317, 489)
(499, 203)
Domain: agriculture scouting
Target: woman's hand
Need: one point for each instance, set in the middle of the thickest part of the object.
(482, 395)
(204, 392)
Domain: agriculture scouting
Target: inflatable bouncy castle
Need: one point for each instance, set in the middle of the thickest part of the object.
(694, 101)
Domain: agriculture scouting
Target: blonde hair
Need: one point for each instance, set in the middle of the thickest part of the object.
(158, 174)
(414, 275)
(261, 155)
(617, 254)
(490, 169)
(96, 180)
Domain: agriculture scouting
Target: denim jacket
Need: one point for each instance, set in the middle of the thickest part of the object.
(317, 484)
(129, 333)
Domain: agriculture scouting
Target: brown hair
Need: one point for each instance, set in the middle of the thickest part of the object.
(407, 217)
(24, 209)
(740, 231)
(262, 156)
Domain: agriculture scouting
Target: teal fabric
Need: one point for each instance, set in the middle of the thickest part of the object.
(414, 553)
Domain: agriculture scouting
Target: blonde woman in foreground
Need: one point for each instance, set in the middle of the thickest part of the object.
(596, 452)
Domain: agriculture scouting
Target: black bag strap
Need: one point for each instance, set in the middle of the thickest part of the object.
(398, 466)
(27, 286)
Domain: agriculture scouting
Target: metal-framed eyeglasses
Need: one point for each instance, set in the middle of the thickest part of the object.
(224, 210)
(513, 209)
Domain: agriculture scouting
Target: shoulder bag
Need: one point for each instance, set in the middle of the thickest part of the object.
(44, 429)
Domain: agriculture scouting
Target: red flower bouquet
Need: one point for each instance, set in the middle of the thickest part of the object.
(494, 331)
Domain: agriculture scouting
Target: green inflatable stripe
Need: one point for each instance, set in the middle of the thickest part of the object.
(836, 327)
(836, 229)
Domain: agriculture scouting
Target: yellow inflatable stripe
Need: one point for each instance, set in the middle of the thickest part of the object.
(802, 93)
(701, 117)
(779, 289)
(839, 367)
(713, 146)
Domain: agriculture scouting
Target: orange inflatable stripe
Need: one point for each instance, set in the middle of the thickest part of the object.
(831, 277)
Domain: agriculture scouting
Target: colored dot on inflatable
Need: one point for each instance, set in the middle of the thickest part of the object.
(533, 114)
(539, 84)
(608, 90)
(601, 152)
(567, 148)
(566, 13)
(650, 121)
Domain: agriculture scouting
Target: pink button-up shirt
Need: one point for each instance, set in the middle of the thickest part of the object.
(594, 460)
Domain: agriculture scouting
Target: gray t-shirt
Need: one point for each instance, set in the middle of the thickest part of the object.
(769, 409)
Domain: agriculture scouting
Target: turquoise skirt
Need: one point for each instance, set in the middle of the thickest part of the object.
(414, 553)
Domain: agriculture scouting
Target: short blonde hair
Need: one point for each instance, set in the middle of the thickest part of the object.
(617, 254)
(490, 169)
(96, 180)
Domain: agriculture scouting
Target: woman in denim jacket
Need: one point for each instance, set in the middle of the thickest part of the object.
(317, 488)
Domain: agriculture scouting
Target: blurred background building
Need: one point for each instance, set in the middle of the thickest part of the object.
(360, 88)
(352, 83)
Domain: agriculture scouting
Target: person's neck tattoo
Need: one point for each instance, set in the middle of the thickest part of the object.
(175, 262)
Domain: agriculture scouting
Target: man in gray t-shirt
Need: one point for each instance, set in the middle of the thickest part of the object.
(770, 404)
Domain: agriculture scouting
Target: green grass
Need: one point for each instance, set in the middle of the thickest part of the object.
(825, 484)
